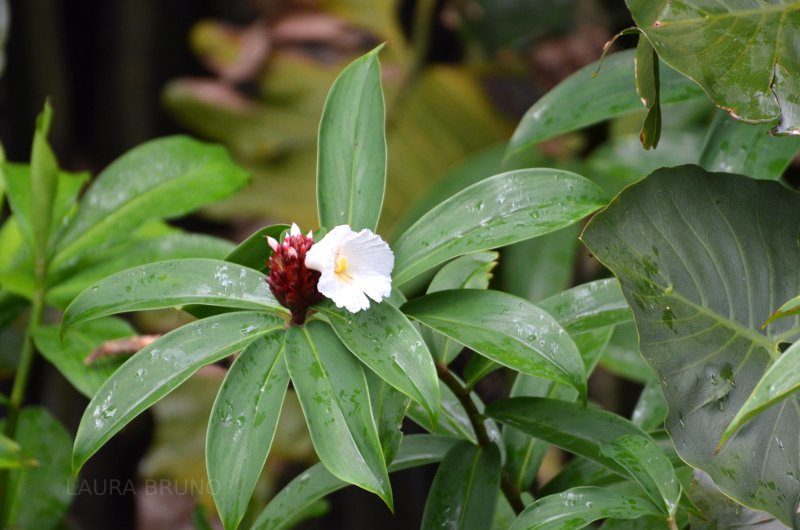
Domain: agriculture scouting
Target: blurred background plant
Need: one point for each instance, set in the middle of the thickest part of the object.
(253, 75)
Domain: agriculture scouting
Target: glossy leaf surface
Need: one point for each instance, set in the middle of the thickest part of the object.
(351, 156)
(704, 258)
(464, 492)
(384, 339)
(333, 392)
(242, 424)
(173, 283)
(492, 213)
(707, 41)
(579, 507)
(506, 329)
(583, 99)
(156, 370)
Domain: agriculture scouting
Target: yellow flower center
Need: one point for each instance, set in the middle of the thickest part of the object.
(339, 264)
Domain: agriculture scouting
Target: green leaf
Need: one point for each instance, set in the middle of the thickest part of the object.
(590, 306)
(351, 152)
(452, 419)
(579, 507)
(477, 368)
(39, 495)
(752, 71)
(242, 425)
(316, 482)
(44, 183)
(540, 267)
(584, 99)
(384, 340)
(162, 178)
(69, 355)
(335, 399)
(156, 370)
(494, 212)
(464, 491)
(173, 283)
(792, 307)
(651, 409)
(779, 382)
(506, 329)
(472, 271)
(524, 452)
(138, 252)
(388, 408)
(647, 465)
(591, 433)
(703, 259)
(738, 147)
(647, 86)
(254, 251)
(719, 511)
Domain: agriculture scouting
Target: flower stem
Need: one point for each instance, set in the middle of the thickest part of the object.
(511, 492)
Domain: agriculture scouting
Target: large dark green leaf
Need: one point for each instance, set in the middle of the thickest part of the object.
(741, 53)
(160, 367)
(506, 329)
(335, 398)
(173, 283)
(242, 425)
(163, 178)
(579, 507)
(385, 340)
(464, 491)
(495, 212)
(351, 156)
(388, 408)
(254, 251)
(316, 482)
(720, 512)
(704, 258)
(593, 305)
(39, 495)
(737, 147)
(69, 355)
(601, 436)
(584, 99)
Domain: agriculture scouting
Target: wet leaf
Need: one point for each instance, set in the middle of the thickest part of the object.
(506, 329)
(738, 147)
(70, 354)
(584, 99)
(316, 482)
(173, 283)
(157, 369)
(242, 425)
(471, 271)
(752, 71)
(579, 507)
(703, 259)
(384, 339)
(464, 491)
(333, 393)
(494, 212)
(351, 157)
(388, 408)
(590, 306)
(606, 438)
(162, 178)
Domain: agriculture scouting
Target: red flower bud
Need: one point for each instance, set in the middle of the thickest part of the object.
(292, 284)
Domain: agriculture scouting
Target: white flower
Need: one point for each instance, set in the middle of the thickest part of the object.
(353, 266)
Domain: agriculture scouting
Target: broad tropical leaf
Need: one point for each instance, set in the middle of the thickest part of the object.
(703, 259)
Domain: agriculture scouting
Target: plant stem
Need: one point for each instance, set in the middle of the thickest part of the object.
(23, 374)
(511, 492)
